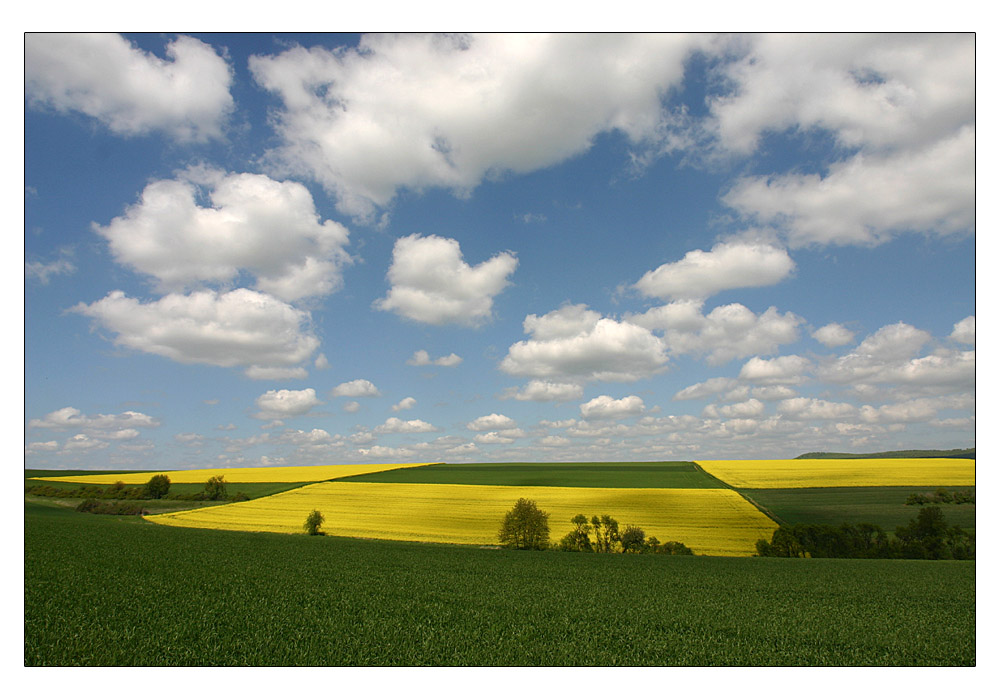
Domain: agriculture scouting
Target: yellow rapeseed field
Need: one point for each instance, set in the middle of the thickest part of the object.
(241, 475)
(805, 473)
(710, 521)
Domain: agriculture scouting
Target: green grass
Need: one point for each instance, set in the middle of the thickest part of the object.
(880, 505)
(116, 591)
(683, 475)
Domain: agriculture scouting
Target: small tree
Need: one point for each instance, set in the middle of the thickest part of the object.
(633, 539)
(578, 540)
(215, 488)
(313, 522)
(156, 487)
(525, 526)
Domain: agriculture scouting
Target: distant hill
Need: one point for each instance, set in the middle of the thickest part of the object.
(966, 453)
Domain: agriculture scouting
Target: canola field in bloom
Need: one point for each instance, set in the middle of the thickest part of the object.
(817, 473)
(240, 475)
(709, 521)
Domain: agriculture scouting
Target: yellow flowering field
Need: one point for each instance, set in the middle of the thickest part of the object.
(805, 473)
(709, 521)
(240, 475)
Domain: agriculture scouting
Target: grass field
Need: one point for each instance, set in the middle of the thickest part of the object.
(709, 521)
(653, 475)
(110, 591)
(884, 506)
(831, 473)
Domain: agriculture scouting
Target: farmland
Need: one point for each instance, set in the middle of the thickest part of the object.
(177, 596)
(819, 473)
(246, 475)
(710, 521)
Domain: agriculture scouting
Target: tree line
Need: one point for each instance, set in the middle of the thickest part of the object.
(927, 536)
(526, 526)
(158, 487)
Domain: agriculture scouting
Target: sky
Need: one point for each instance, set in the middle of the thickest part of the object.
(261, 249)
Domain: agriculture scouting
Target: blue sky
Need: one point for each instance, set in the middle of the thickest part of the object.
(255, 249)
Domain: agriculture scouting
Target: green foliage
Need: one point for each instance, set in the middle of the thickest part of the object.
(313, 522)
(577, 540)
(927, 536)
(941, 495)
(671, 548)
(92, 505)
(156, 487)
(215, 488)
(280, 600)
(633, 539)
(525, 526)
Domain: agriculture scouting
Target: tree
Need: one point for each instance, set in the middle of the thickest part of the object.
(157, 486)
(313, 522)
(525, 526)
(578, 540)
(215, 488)
(633, 539)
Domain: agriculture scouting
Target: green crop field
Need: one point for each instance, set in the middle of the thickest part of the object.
(884, 506)
(681, 475)
(111, 591)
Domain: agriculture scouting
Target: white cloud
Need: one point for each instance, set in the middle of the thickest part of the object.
(421, 358)
(554, 441)
(256, 372)
(965, 331)
(808, 409)
(833, 334)
(731, 265)
(356, 388)
(322, 362)
(383, 452)
(716, 385)
(241, 327)
(278, 404)
(725, 333)
(869, 198)
(915, 411)
(83, 443)
(417, 111)
(48, 446)
(888, 346)
(605, 407)
(43, 271)
(253, 225)
(494, 438)
(494, 421)
(432, 283)
(131, 91)
(787, 369)
(395, 425)
(70, 418)
(405, 405)
(540, 390)
(352, 407)
(575, 343)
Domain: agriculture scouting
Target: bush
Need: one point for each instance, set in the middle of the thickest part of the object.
(633, 539)
(156, 487)
(673, 547)
(313, 522)
(215, 488)
(525, 526)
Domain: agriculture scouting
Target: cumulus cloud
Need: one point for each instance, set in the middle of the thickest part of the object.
(810, 409)
(278, 404)
(130, 91)
(606, 407)
(43, 271)
(540, 390)
(237, 328)
(716, 385)
(733, 265)
(576, 343)
(256, 372)
(417, 111)
(868, 199)
(915, 411)
(405, 405)
(356, 388)
(432, 283)
(83, 443)
(494, 421)
(725, 333)
(253, 225)
(833, 334)
(751, 408)
(396, 425)
(70, 418)
(965, 331)
(787, 369)
(888, 346)
(421, 358)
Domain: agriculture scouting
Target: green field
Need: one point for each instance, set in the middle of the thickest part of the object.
(116, 591)
(884, 506)
(678, 475)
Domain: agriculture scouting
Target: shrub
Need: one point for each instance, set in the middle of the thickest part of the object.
(215, 488)
(633, 539)
(525, 526)
(156, 487)
(313, 522)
